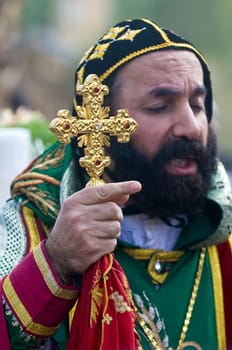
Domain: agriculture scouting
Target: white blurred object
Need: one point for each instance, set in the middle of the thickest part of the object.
(15, 154)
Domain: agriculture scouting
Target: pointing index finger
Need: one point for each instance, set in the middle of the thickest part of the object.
(109, 191)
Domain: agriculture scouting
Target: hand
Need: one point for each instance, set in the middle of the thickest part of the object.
(88, 226)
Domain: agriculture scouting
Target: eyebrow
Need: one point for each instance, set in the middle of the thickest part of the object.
(168, 91)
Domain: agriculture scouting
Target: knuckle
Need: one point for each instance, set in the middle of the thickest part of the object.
(115, 211)
(120, 215)
(102, 191)
(112, 208)
(117, 228)
(114, 228)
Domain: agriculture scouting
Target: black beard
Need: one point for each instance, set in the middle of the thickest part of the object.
(165, 195)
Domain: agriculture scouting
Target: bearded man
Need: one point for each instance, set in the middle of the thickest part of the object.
(164, 212)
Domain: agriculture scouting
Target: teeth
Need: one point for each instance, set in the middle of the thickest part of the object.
(179, 161)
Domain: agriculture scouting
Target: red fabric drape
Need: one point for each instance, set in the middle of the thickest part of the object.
(105, 316)
(225, 258)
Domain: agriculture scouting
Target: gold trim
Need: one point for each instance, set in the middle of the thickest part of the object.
(39, 177)
(32, 227)
(230, 241)
(154, 255)
(192, 299)
(45, 203)
(140, 254)
(45, 227)
(163, 257)
(146, 50)
(158, 29)
(129, 57)
(193, 344)
(104, 277)
(22, 312)
(50, 280)
(71, 314)
(218, 297)
(35, 239)
(153, 336)
(23, 184)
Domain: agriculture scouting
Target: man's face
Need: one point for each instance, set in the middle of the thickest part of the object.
(164, 92)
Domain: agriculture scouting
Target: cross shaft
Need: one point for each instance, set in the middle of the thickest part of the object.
(93, 128)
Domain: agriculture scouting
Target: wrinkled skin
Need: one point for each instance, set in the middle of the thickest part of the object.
(165, 94)
(88, 226)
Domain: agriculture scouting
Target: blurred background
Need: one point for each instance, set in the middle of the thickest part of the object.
(41, 42)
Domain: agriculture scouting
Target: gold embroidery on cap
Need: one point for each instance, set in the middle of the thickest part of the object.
(80, 75)
(86, 54)
(158, 29)
(99, 51)
(129, 35)
(134, 54)
(113, 33)
(126, 33)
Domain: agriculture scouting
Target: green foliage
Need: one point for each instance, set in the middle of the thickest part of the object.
(39, 130)
(35, 121)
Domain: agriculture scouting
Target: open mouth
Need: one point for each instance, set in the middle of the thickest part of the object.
(181, 166)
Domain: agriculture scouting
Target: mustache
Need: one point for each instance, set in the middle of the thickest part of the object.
(126, 155)
(165, 194)
(181, 148)
(136, 162)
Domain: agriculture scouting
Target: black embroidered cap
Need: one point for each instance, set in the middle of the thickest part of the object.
(128, 40)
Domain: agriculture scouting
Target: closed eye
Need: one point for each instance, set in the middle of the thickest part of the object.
(198, 108)
(158, 109)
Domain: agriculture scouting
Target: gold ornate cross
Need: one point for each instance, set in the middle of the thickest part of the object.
(93, 128)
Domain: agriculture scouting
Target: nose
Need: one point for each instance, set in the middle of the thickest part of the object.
(186, 124)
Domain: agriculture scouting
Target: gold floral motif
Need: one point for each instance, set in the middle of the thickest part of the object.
(112, 33)
(121, 305)
(130, 34)
(96, 297)
(127, 290)
(99, 51)
(96, 301)
(107, 318)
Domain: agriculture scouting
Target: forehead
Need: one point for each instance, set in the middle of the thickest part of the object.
(164, 65)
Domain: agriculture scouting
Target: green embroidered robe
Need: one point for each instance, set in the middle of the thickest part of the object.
(53, 176)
